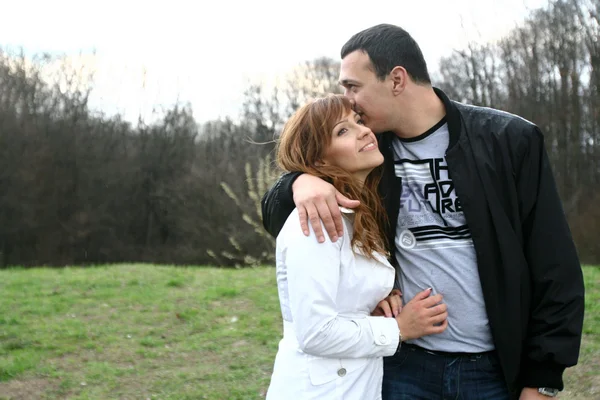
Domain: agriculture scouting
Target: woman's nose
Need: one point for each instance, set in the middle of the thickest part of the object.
(364, 131)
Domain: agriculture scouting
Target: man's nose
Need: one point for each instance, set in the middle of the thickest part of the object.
(353, 104)
(348, 93)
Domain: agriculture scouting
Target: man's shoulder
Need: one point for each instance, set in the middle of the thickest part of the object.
(486, 120)
(495, 128)
(481, 114)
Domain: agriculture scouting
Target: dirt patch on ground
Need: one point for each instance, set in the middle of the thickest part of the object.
(29, 389)
(583, 383)
(583, 380)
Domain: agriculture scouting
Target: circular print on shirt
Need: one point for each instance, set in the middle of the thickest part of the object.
(407, 239)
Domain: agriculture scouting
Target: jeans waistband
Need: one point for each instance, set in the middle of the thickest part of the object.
(445, 353)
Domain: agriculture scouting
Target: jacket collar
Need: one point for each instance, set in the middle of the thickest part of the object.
(452, 117)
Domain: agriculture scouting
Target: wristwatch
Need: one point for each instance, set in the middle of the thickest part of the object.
(550, 392)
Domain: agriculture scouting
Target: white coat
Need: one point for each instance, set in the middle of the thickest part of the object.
(331, 348)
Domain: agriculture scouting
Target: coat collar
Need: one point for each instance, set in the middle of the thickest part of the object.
(453, 118)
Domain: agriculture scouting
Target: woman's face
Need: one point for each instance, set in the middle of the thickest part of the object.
(353, 147)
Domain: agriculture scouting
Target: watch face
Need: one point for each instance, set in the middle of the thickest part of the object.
(548, 392)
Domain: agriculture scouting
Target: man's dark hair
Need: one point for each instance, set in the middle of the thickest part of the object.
(389, 46)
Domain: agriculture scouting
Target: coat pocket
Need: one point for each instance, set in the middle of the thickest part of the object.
(323, 370)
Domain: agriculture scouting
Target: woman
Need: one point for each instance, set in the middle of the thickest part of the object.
(332, 347)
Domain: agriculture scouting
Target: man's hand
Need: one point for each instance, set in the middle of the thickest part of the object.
(317, 200)
(532, 394)
(422, 316)
(390, 306)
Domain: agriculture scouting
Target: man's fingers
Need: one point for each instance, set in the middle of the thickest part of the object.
(439, 309)
(315, 222)
(322, 211)
(422, 295)
(325, 215)
(334, 209)
(432, 301)
(396, 292)
(436, 319)
(303, 220)
(439, 328)
(345, 202)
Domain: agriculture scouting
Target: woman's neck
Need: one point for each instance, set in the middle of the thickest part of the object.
(360, 179)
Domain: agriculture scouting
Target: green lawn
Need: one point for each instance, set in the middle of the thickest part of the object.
(158, 332)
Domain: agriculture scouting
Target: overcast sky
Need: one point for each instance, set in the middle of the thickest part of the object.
(206, 52)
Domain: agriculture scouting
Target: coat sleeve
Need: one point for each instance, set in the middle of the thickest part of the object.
(556, 314)
(313, 282)
(278, 203)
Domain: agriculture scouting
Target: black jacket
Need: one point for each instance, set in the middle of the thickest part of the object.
(528, 266)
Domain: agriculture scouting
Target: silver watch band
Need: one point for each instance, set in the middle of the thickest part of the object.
(550, 392)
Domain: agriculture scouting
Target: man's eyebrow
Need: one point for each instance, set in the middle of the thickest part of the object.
(346, 82)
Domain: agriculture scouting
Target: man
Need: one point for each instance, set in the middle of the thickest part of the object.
(473, 213)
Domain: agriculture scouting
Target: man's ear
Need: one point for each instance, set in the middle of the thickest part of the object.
(399, 79)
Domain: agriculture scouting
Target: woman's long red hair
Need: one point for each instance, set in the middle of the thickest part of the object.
(302, 146)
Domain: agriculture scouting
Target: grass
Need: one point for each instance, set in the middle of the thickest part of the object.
(157, 332)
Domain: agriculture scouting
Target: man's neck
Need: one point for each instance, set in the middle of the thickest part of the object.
(422, 109)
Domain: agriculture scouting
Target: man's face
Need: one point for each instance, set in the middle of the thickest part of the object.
(370, 97)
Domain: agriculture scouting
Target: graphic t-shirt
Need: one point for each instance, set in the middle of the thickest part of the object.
(433, 243)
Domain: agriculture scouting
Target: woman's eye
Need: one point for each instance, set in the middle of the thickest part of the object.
(342, 131)
(360, 122)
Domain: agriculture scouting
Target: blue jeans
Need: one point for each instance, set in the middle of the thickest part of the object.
(415, 373)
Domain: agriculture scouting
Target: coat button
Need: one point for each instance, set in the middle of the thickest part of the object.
(382, 338)
(342, 372)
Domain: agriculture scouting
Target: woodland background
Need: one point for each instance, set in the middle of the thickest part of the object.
(80, 187)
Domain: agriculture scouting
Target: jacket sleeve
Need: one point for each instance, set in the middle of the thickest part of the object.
(556, 314)
(278, 203)
(313, 276)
